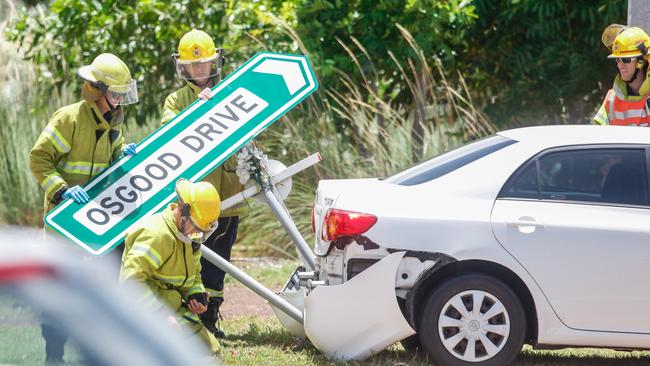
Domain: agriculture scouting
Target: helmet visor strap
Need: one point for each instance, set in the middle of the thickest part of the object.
(111, 106)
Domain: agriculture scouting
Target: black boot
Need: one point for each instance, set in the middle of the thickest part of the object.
(211, 317)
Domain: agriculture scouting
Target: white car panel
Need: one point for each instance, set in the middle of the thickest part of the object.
(588, 259)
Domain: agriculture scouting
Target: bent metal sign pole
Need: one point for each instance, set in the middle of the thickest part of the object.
(190, 146)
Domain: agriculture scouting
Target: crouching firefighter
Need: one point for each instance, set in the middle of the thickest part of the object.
(163, 255)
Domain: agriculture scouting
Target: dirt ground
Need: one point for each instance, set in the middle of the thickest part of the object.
(243, 302)
(240, 301)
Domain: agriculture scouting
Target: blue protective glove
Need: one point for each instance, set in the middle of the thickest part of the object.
(129, 150)
(77, 194)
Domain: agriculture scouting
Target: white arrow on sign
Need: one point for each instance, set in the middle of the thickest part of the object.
(290, 72)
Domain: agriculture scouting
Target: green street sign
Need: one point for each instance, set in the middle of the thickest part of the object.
(190, 146)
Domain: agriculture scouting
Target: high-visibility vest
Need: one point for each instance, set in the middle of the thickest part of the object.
(623, 112)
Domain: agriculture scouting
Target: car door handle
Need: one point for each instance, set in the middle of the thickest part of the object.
(526, 225)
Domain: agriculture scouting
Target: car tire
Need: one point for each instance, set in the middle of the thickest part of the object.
(448, 323)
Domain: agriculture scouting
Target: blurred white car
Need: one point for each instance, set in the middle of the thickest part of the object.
(536, 235)
(81, 295)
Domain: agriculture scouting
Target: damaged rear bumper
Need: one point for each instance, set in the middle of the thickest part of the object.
(354, 320)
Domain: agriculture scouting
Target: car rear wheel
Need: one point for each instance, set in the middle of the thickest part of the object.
(472, 320)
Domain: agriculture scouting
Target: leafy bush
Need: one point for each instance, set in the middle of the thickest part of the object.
(526, 61)
(376, 138)
(144, 33)
(538, 62)
(438, 27)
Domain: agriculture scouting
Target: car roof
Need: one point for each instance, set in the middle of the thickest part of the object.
(557, 135)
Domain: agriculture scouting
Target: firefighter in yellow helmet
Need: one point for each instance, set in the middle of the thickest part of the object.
(627, 102)
(163, 255)
(198, 63)
(79, 142)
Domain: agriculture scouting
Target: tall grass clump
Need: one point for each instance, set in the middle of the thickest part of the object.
(361, 131)
(24, 112)
(21, 118)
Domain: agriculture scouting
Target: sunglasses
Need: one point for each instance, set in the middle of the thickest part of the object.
(626, 60)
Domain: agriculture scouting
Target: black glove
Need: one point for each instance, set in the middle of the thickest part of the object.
(200, 297)
(58, 196)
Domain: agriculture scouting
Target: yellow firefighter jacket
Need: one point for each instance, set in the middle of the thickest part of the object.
(77, 144)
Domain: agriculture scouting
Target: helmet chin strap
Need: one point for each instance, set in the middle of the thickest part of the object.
(632, 78)
(180, 234)
(204, 85)
(637, 70)
(185, 238)
(110, 106)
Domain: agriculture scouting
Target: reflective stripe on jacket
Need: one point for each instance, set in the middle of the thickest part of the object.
(76, 145)
(223, 178)
(625, 112)
(155, 257)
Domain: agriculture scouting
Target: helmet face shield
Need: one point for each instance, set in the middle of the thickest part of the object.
(123, 94)
(198, 234)
(626, 42)
(112, 77)
(200, 203)
(199, 71)
(204, 235)
(610, 33)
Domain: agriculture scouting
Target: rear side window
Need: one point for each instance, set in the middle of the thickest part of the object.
(449, 161)
(614, 176)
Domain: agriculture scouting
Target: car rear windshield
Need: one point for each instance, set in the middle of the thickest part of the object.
(449, 161)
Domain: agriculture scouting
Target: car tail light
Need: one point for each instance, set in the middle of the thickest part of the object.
(340, 223)
(313, 223)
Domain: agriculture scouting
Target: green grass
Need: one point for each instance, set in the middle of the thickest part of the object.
(273, 273)
(256, 341)
(253, 340)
